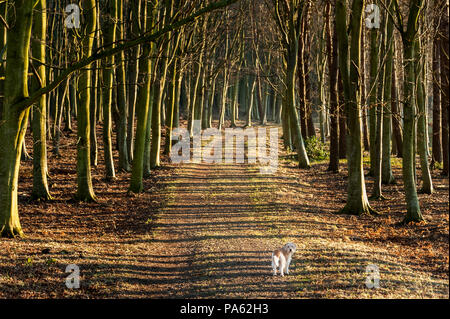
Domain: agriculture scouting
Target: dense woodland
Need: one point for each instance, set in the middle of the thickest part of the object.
(92, 91)
(325, 71)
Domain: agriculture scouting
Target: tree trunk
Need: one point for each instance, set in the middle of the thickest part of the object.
(250, 100)
(376, 194)
(396, 126)
(303, 160)
(235, 102)
(412, 201)
(386, 175)
(124, 164)
(63, 105)
(142, 107)
(14, 121)
(342, 151)
(40, 170)
(259, 98)
(437, 146)
(85, 191)
(287, 140)
(109, 32)
(427, 184)
(372, 97)
(212, 93)
(445, 95)
(357, 202)
(171, 100)
(409, 111)
(95, 92)
(333, 85)
(363, 95)
(223, 101)
(136, 9)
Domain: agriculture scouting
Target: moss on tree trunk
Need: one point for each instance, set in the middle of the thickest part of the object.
(14, 119)
(85, 190)
(40, 170)
(357, 201)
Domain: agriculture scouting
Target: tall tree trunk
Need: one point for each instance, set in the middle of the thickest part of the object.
(235, 101)
(376, 194)
(200, 84)
(412, 201)
(206, 98)
(3, 41)
(135, 9)
(302, 70)
(437, 145)
(160, 85)
(333, 85)
(427, 184)
(176, 112)
(409, 111)
(445, 95)
(40, 170)
(303, 160)
(63, 105)
(363, 95)
(143, 105)
(124, 164)
(260, 100)
(171, 100)
(379, 109)
(386, 175)
(196, 77)
(251, 101)
(372, 97)
(14, 120)
(357, 202)
(223, 101)
(302, 103)
(95, 92)
(85, 191)
(342, 121)
(72, 105)
(109, 32)
(287, 140)
(396, 127)
(153, 100)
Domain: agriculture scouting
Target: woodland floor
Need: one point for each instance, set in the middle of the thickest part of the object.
(207, 231)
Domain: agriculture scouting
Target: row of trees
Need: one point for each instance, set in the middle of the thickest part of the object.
(138, 67)
(53, 71)
(370, 107)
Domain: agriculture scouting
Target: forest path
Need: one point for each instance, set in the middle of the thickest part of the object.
(208, 230)
(214, 236)
(216, 233)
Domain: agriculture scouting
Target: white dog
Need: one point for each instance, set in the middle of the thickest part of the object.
(281, 258)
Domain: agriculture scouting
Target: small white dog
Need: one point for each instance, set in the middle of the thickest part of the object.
(281, 258)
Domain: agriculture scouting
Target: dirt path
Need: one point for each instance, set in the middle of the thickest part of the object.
(214, 238)
(207, 231)
(215, 235)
